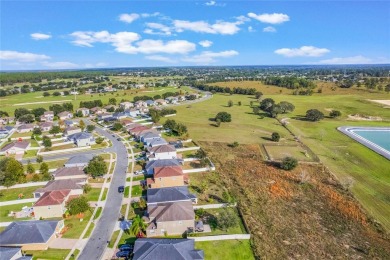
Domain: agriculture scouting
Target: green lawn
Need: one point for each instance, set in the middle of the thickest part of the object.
(127, 239)
(226, 249)
(137, 178)
(278, 152)
(93, 194)
(34, 143)
(104, 196)
(12, 194)
(30, 154)
(50, 254)
(77, 225)
(52, 164)
(98, 213)
(5, 210)
(136, 191)
(89, 231)
(113, 239)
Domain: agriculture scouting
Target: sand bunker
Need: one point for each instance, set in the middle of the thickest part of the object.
(383, 102)
(364, 118)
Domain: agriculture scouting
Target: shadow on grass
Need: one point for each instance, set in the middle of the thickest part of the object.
(266, 138)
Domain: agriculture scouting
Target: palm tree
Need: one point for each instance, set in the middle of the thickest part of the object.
(138, 226)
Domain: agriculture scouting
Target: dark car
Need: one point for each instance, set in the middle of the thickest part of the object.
(121, 189)
(124, 254)
(126, 247)
(119, 139)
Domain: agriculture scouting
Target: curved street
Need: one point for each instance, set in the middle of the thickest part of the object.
(96, 245)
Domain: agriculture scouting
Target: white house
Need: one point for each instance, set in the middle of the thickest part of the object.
(162, 152)
(65, 115)
(25, 128)
(82, 139)
(84, 111)
(126, 105)
(16, 147)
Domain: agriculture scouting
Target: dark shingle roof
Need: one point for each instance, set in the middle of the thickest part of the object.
(28, 232)
(67, 184)
(7, 253)
(17, 144)
(172, 211)
(162, 163)
(79, 136)
(168, 194)
(166, 249)
(69, 171)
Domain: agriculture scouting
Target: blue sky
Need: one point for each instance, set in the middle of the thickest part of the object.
(87, 34)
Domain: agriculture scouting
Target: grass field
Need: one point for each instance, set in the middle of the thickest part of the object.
(226, 249)
(50, 254)
(93, 194)
(278, 152)
(77, 225)
(5, 210)
(89, 231)
(52, 164)
(12, 194)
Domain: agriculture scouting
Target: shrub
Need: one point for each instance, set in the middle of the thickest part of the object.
(314, 115)
(39, 158)
(334, 113)
(275, 137)
(288, 163)
(99, 140)
(224, 117)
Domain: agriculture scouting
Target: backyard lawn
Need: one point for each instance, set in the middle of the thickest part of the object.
(5, 210)
(50, 254)
(76, 226)
(226, 249)
(93, 194)
(12, 194)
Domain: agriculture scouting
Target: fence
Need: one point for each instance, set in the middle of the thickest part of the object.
(206, 169)
(221, 237)
(214, 206)
(187, 149)
(64, 150)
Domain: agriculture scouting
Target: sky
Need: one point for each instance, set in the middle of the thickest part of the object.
(44, 35)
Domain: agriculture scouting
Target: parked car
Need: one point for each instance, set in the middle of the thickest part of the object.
(118, 139)
(121, 189)
(126, 247)
(124, 254)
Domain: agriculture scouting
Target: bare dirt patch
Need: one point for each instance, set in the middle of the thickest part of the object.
(382, 102)
(42, 102)
(359, 117)
(299, 214)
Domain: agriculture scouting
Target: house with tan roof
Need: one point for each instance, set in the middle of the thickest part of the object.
(69, 173)
(137, 130)
(48, 116)
(25, 128)
(74, 185)
(168, 176)
(172, 218)
(65, 115)
(70, 130)
(45, 126)
(162, 152)
(16, 147)
(51, 204)
(126, 105)
(84, 111)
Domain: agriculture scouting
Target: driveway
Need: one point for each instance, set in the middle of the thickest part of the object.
(97, 243)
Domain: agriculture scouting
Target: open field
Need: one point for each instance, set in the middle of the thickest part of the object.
(226, 249)
(286, 214)
(278, 152)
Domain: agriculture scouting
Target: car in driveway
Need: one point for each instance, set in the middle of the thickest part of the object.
(123, 254)
(118, 139)
(126, 247)
(121, 189)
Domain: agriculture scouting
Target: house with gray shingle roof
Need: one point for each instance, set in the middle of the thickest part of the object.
(74, 185)
(150, 165)
(25, 128)
(82, 139)
(79, 160)
(10, 253)
(69, 173)
(162, 152)
(172, 249)
(16, 147)
(31, 235)
(173, 218)
(157, 142)
(169, 194)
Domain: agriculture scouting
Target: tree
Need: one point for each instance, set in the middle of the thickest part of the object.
(96, 167)
(38, 111)
(157, 97)
(256, 110)
(87, 188)
(46, 142)
(99, 140)
(82, 125)
(230, 103)
(155, 115)
(44, 168)
(314, 115)
(224, 117)
(39, 158)
(46, 94)
(3, 113)
(29, 118)
(11, 172)
(181, 129)
(37, 131)
(138, 227)
(239, 103)
(334, 113)
(267, 104)
(30, 168)
(170, 124)
(78, 205)
(142, 203)
(387, 88)
(112, 101)
(90, 128)
(227, 218)
(117, 126)
(20, 112)
(258, 95)
(56, 94)
(275, 137)
(286, 107)
(288, 163)
(55, 130)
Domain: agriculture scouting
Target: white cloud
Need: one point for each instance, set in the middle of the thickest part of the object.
(269, 29)
(211, 3)
(304, 51)
(22, 56)
(220, 27)
(146, 15)
(95, 65)
(275, 18)
(242, 19)
(171, 47)
(40, 36)
(129, 18)
(60, 65)
(207, 57)
(205, 43)
(86, 39)
(250, 29)
(160, 58)
(158, 28)
(351, 60)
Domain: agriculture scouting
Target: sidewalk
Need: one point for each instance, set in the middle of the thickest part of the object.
(13, 202)
(24, 185)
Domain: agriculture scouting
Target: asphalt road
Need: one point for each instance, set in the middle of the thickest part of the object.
(96, 245)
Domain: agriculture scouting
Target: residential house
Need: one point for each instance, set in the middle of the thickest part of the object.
(70, 130)
(31, 235)
(12, 253)
(84, 111)
(172, 100)
(150, 103)
(151, 165)
(69, 173)
(126, 105)
(168, 176)
(137, 130)
(104, 115)
(110, 107)
(25, 128)
(169, 194)
(147, 137)
(119, 115)
(132, 126)
(165, 248)
(78, 161)
(162, 152)
(51, 204)
(157, 142)
(16, 147)
(140, 103)
(141, 133)
(74, 185)
(143, 111)
(181, 98)
(97, 110)
(174, 218)
(126, 122)
(132, 112)
(6, 120)
(65, 115)
(45, 126)
(82, 139)
(48, 116)
(5, 131)
(69, 123)
(160, 102)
